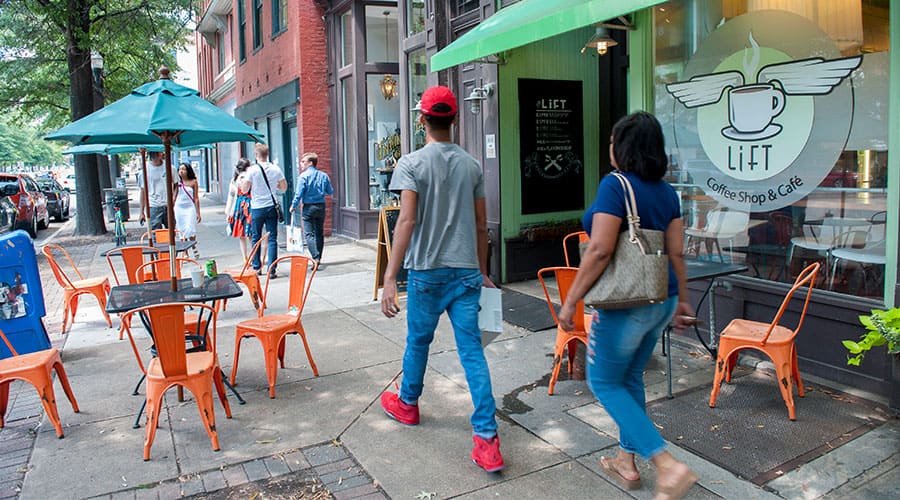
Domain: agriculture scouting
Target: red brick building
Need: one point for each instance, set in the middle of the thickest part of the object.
(265, 61)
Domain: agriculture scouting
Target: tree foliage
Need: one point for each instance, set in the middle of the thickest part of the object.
(134, 37)
(45, 64)
(26, 145)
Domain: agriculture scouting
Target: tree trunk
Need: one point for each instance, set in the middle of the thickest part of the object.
(89, 212)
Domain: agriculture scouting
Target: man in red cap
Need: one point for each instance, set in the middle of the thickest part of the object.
(441, 235)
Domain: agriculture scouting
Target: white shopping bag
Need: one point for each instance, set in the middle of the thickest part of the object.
(490, 310)
(294, 233)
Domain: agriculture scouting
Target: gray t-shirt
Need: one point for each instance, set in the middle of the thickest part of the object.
(447, 181)
(156, 183)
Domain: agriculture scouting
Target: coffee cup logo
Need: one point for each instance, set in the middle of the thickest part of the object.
(751, 109)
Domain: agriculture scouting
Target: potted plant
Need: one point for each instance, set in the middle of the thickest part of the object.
(882, 327)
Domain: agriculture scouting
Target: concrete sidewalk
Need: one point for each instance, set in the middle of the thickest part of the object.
(327, 436)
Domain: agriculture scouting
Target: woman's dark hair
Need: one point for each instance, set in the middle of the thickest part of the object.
(240, 167)
(188, 170)
(639, 146)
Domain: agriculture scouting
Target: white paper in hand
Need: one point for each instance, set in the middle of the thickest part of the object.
(490, 310)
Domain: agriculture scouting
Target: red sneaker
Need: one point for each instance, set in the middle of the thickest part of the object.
(486, 453)
(398, 410)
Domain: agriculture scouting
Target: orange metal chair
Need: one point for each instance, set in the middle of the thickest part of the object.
(35, 368)
(175, 366)
(772, 339)
(159, 236)
(132, 258)
(272, 329)
(566, 340)
(98, 287)
(582, 238)
(247, 275)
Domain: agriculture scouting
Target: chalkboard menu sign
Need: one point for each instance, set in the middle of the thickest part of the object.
(551, 145)
(387, 221)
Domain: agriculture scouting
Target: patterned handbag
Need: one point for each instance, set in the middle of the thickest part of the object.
(638, 273)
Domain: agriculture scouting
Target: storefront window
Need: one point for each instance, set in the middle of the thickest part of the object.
(418, 81)
(463, 6)
(774, 119)
(415, 15)
(346, 38)
(351, 179)
(383, 135)
(381, 34)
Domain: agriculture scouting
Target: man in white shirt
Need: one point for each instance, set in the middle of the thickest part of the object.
(263, 181)
(156, 185)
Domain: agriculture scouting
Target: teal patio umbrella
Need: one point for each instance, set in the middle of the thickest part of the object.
(159, 113)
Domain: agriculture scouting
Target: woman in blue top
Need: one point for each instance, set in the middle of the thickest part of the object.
(621, 341)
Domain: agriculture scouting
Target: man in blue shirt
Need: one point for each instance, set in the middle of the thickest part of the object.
(312, 188)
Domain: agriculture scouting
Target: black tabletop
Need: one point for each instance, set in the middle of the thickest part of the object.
(127, 297)
(706, 269)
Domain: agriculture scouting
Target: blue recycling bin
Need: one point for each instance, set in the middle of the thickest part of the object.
(21, 296)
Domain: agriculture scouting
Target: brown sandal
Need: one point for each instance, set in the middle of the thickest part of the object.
(627, 484)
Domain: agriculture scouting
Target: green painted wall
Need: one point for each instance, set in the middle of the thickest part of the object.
(893, 224)
(557, 58)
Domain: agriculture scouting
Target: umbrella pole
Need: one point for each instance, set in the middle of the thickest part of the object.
(170, 210)
(145, 194)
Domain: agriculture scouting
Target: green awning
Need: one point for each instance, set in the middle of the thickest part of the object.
(529, 21)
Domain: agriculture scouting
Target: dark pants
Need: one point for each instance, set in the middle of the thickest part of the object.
(158, 218)
(314, 228)
(264, 218)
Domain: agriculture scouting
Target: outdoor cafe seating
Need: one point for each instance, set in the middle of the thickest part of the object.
(35, 368)
(73, 289)
(773, 339)
(176, 365)
(272, 329)
(248, 277)
(566, 340)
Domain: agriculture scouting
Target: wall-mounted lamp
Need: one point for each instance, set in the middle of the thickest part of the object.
(479, 94)
(601, 41)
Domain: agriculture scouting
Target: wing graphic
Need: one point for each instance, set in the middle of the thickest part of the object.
(809, 76)
(704, 89)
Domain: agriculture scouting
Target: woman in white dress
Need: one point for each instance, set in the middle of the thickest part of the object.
(187, 204)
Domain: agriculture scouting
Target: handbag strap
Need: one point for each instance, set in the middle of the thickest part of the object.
(631, 213)
(266, 178)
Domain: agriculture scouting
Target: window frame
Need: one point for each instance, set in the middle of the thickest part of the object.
(242, 29)
(257, 25)
(279, 17)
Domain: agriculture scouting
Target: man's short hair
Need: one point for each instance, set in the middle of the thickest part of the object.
(312, 157)
(262, 150)
(152, 155)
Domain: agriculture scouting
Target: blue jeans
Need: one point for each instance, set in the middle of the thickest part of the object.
(620, 344)
(457, 291)
(314, 229)
(268, 218)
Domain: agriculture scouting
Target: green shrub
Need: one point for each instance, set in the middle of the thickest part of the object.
(882, 327)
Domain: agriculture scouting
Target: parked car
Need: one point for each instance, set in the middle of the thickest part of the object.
(57, 198)
(7, 215)
(29, 200)
(68, 182)
(840, 177)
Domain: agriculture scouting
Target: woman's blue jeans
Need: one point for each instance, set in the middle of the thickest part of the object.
(457, 291)
(620, 344)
